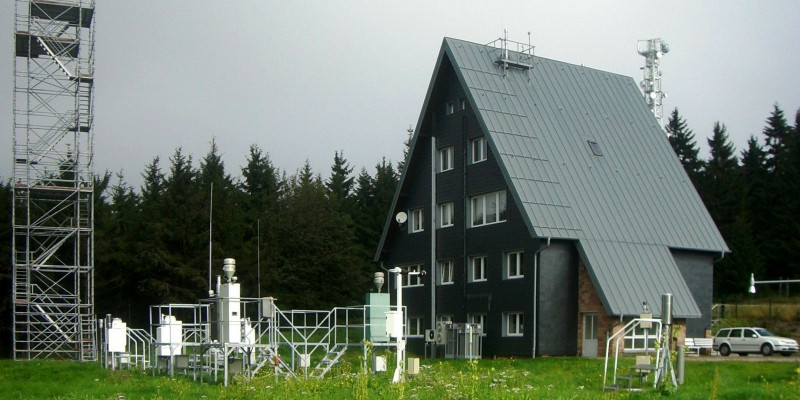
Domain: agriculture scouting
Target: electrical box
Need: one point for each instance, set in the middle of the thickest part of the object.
(305, 360)
(646, 324)
(376, 307)
(413, 366)
(380, 364)
(394, 323)
(117, 336)
(268, 307)
(169, 336)
(230, 318)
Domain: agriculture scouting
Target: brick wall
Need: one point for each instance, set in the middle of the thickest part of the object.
(589, 302)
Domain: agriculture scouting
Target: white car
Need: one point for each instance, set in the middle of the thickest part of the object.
(752, 340)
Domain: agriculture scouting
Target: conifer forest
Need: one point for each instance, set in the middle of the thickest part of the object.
(314, 239)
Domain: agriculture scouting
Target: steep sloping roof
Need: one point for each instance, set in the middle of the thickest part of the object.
(626, 207)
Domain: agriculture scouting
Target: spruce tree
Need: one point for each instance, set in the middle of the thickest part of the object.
(683, 143)
(723, 195)
(340, 183)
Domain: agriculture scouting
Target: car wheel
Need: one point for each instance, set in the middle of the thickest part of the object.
(766, 349)
(724, 350)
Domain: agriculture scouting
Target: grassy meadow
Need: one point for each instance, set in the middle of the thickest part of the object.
(548, 378)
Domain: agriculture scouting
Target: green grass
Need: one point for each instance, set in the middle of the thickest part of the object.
(548, 378)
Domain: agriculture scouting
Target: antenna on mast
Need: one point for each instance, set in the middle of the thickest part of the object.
(653, 50)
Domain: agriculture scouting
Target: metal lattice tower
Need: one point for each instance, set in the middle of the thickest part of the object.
(53, 240)
(653, 50)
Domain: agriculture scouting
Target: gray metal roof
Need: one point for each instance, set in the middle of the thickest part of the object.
(630, 273)
(635, 192)
(626, 207)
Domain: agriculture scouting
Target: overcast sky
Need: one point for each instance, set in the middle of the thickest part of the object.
(303, 79)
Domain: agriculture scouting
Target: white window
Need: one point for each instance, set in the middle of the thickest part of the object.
(413, 278)
(478, 150)
(638, 340)
(478, 318)
(445, 215)
(514, 264)
(462, 104)
(417, 220)
(513, 324)
(450, 108)
(414, 326)
(477, 269)
(444, 318)
(488, 208)
(446, 161)
(445, 272)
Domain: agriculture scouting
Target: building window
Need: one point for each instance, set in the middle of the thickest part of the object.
(514, 324)
(488, 208)
(444, 319)
(462, 104)
(477, 269)
(639, 340)
(445, 215)
(413, 277)
(478, 150)
(446, 161)
(480, 319)
(415, 326)
(513, 262)
(450, 108)
(417, 223)
(445, 272)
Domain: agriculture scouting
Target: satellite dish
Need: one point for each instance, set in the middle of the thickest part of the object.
(664, 47)
(401, 217)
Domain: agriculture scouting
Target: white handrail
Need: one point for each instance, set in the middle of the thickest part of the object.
(630, 326)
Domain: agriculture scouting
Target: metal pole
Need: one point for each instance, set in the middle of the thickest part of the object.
(433, 233)
(210, 226)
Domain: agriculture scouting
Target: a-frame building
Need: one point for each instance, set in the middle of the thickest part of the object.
(545, 202)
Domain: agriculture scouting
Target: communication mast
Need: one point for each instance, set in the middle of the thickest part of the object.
(653, 50)
(53, 218)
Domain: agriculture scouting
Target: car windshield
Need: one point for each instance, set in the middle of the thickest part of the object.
(764, 332)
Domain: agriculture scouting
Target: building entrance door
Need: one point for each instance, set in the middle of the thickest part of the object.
(589, 348)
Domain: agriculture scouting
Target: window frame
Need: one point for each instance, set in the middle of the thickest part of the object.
(478, 144)
(415, 322)
(441, 266)
(449, 108)
(462, 103)
(482, 321)
(444, 318)
(446, 154)
(417, 217)
(449, 212)
(518, 318)
(483, 267)
(519, 257)
(500, 212)
(413, 280)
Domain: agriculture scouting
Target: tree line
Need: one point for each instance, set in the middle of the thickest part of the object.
(310, 241)
(753, 196)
